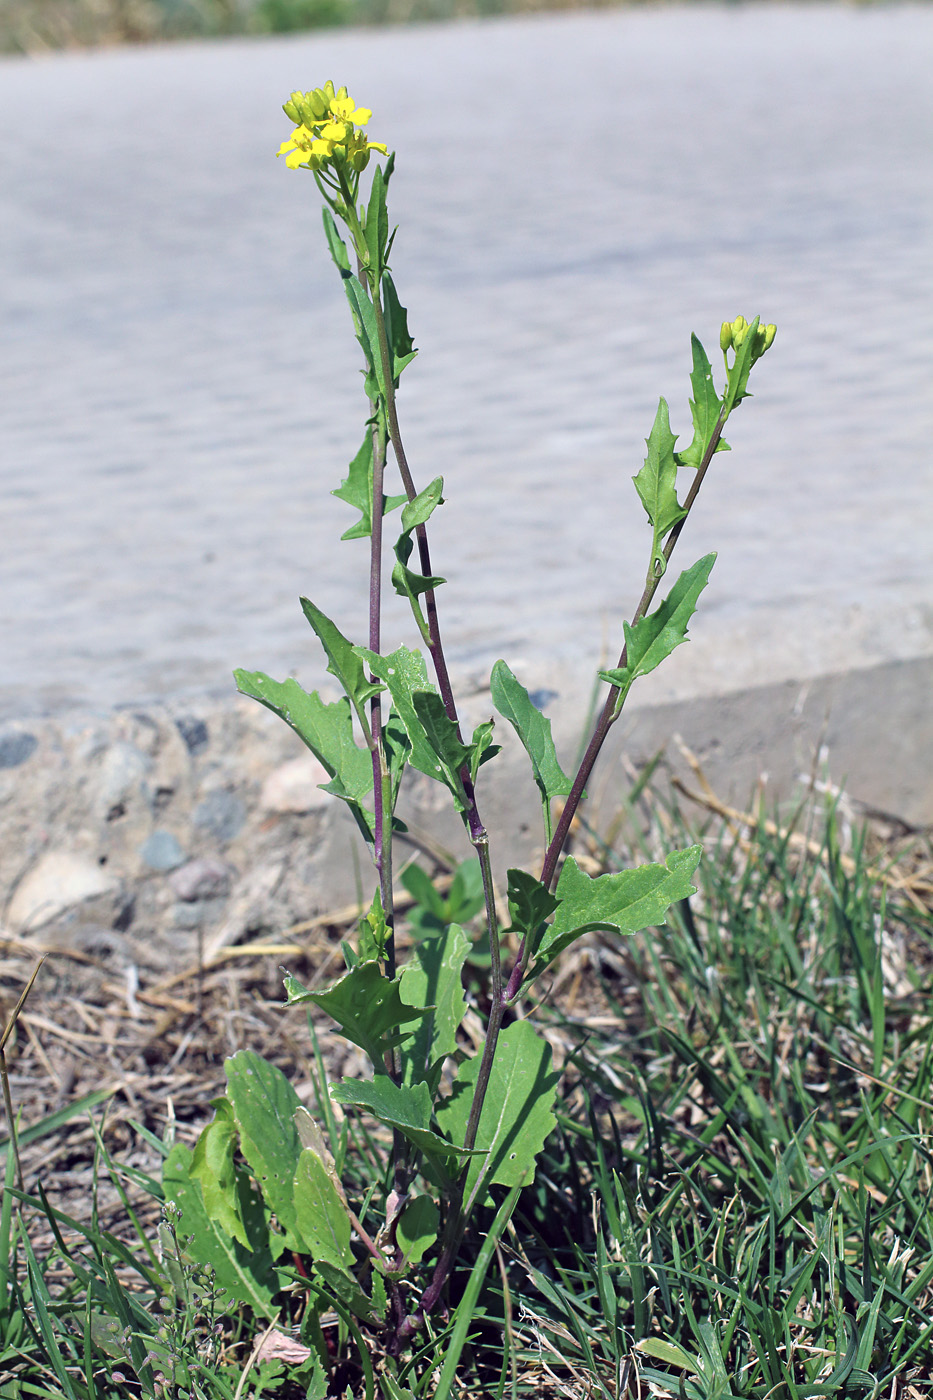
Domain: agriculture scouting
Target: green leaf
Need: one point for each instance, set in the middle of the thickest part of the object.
(343, 662)
(213, 1166)
(248, 1274)
(338, 249)
(357, 490)
(328, 732)
(407, 583)
(321, 1212)
(367, 333)
(704, 408)
(396, 319)
(367, 1007)
(516, 1117)
(513, 702)
(736, 389)
(654, 637)
(482, 749)
(530, 902)
(402, 1107)
(671, 1353)
(416, 1228)
(656, 484)
(437, 753)
(621, 903)
(264, 1105)
(376, 229)
(347, 1291)
(433, 978)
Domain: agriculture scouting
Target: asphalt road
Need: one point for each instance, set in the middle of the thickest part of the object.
(575, 195)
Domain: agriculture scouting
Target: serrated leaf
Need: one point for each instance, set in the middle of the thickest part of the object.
(402, 1107)
(357, 490)
(530, 902)
(321, 1212)
(396, 319)
(620, 903)
(404, 674)
(513, 702)
(434, 978)
(327, 730)
(656, 483)
(516, 1117)
(704, 408)
(248, 1274)
(264, 1105)
(342, 661)
(213, 1166)
(736, 389)
(654, 637)
(367, 1007)
(416, 1228)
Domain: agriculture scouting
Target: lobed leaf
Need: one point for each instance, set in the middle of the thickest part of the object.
(654, 637)
(367, 1007)
(530, 902)
(705, 407)
(406, 1108)
(357, 490)
(433, 979)
(342, 661)
(656, 483)
(401, 345)
(620, 903)
(327, 730)
(513, 702)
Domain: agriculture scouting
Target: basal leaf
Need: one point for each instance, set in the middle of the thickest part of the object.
(213, 1166)
(357, 490)
(247, 1273)
(367, 1007)
(654, 637)
(512, 701)
(434, 978)
(416, 1229)
(321, 1212)
(328, 732)
(342, 661)
(656, 483)
(704, 408)
(264, 1105)
(516, 1117)
(405, 1107)
(620, 903)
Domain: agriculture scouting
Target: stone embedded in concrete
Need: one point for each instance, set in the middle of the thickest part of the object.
(58, 882)
(221, 814)
(122, 770)
(201, 879)
(16, 746)
(194, 731)
(162, 851)
(294, 787)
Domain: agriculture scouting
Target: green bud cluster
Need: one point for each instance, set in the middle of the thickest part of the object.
(308, 108)
(734, 334)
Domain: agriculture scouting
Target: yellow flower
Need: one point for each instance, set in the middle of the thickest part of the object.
(326, 123)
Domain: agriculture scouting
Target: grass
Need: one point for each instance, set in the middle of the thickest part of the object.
(736, 1201)
(35, 26)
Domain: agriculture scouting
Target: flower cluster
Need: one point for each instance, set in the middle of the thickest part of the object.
(735, 333)
(326, 131)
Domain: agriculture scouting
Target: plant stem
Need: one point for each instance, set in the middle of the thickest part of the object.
(610, 713)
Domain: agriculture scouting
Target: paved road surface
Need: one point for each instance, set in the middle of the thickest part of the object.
(576, 193)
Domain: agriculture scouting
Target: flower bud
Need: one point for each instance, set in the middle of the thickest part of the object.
(739, 331)
(725, 336)
(291, 109)
(770, 333)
